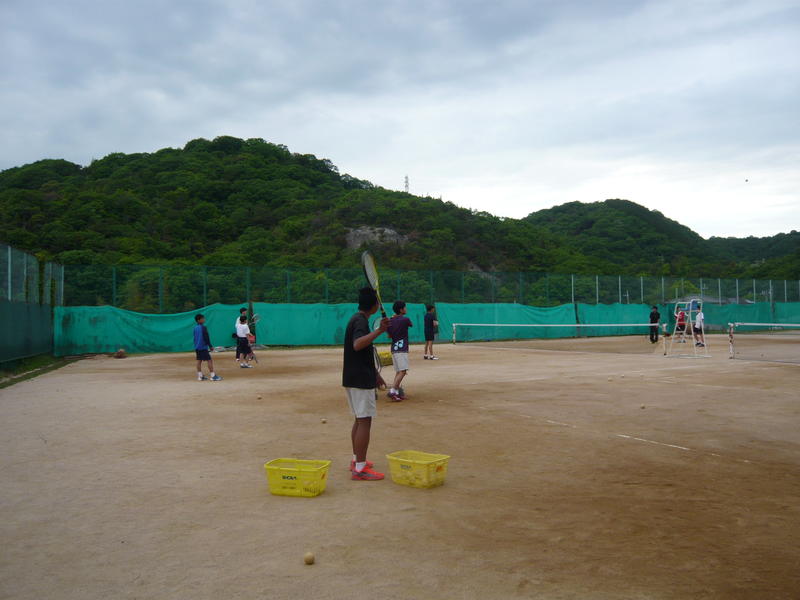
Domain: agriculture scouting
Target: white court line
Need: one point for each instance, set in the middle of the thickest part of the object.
(630, 437)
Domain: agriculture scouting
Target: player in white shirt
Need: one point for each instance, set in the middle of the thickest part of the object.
(243, 349)
(242, 313)
(698, 330)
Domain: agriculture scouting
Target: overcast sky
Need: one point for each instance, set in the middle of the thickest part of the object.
(691, 107)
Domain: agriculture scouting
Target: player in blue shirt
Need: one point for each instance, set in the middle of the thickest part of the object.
(202, 347)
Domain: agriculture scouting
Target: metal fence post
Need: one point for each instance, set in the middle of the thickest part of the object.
(719, 289)
(755, 297)
(519, 293)
(597, 289)
(737, 291)
(572, 278)
(619, 282)
(161, 289)
(9, 273)
(785, 292)
(641, 288)
(205, 286)
(462, 287)
(770, 291)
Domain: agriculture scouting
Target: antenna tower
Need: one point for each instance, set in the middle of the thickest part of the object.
(406, 184)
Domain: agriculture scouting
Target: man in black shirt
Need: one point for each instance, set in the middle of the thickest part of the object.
(655, 317)
(360, 377)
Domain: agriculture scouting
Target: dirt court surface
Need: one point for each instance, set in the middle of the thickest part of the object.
(573, 475)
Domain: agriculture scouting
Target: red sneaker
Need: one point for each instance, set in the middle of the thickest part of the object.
(366, 475)
(369, 465)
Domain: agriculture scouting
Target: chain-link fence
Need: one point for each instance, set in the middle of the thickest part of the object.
(178, 288)
(27, 289)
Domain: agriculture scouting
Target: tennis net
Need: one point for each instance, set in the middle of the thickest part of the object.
(622, 338)
(774, 342)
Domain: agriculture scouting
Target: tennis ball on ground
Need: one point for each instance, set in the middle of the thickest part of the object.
(308, 558)
(259, 396)
(642, 405)
(622, 376)
(324, 420)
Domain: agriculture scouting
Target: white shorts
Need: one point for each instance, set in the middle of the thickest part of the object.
(362, 402)
(400, 360)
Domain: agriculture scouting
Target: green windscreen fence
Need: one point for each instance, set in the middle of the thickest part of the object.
(90, 329)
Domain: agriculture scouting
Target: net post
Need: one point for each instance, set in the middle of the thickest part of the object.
(454, 333)
(731, 351)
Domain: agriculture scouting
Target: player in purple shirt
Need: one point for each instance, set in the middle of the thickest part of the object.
(398, 331)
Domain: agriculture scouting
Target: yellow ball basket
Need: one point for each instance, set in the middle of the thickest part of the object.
(418, 469)
(296, 477)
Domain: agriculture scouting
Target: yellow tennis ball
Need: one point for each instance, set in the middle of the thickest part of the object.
(324, 420)
(308, 558)
(642, 405)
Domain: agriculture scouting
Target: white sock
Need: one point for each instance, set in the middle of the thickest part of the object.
(213, 374)
(392, 390)
(360, 466)
(199, 373)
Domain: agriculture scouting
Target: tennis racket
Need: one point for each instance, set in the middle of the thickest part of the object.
(371, 273)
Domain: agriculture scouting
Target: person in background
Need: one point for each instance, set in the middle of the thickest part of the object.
(398, 332)
(243, 343)
(431, 327)
(699, 328)
(242, 313)
(680, 326)
(655, 318)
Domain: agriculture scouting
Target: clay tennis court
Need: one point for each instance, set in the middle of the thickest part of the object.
(574, 474)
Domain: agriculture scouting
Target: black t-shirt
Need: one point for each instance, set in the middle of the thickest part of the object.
(655, 317)
(358, 368)
(428, 321)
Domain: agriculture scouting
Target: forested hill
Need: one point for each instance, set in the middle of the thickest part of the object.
(247, 202)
